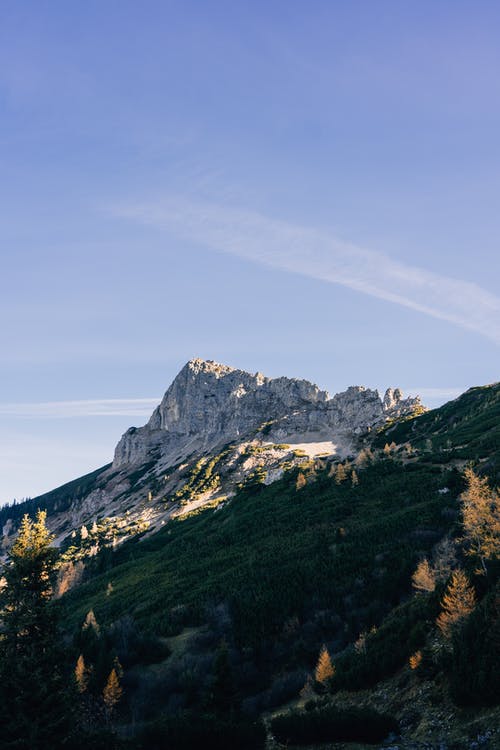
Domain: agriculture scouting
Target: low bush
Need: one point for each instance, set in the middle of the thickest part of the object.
(332, 725)
(202, 731)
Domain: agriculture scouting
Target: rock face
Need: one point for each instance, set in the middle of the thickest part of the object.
(209, 405)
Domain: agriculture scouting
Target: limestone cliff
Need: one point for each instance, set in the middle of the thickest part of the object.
(209, 405)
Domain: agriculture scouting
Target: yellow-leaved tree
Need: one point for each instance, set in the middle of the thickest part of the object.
(82, 674)
(340, 474)
(301, 481)
(112, 692)
(458, 602)
(424, 578)
(324, 668)
(481, 519)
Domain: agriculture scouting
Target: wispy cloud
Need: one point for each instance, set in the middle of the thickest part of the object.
(321, 255)
(124, 407)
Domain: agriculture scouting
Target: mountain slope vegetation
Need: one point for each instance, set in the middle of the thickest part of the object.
(224, 611)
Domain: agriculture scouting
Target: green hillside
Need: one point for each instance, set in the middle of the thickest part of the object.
(274, 552)
(466, 428)
(224, 612)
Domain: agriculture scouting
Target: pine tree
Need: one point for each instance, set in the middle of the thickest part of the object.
(458, 602)
(354, 479)
(481, 519)
(34, 695)
(324, 668)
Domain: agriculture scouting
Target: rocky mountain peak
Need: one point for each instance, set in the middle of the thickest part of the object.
(392, 397)
(209, 404)
(208, 366)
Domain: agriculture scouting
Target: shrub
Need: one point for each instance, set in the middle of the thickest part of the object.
(332, 725)
(203, 731)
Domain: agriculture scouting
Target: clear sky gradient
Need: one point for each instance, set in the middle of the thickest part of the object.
(302, 188)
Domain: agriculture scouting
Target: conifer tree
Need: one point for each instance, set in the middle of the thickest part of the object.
(457, 604)
(324, 668)
(415, 660)
(112, 692)
(354, 479)
(364, 457)
(34, 695)
(82, 674)
(301, 481)
(340, 474)
(481, 519)
(90, 623)
(424, 579)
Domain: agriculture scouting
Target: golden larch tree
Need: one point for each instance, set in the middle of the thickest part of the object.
(481, 518)
(365, 457)
(354, 479)
(458, 602)
(424, 579)
(82, 674)
(112, 692)
(324, 668)
(301, 481)
(340, 474)
(90, 622)
(415, 660)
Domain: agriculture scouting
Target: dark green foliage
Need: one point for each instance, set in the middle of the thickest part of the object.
(35, 694)
(467, 428)
(100, 739)
(475, 666)
(224, 694)
(276, 572)
(332, 725)
(388, 649)
(273, 553)
(206, 732)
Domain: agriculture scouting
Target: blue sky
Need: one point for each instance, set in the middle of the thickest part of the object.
(308, 189)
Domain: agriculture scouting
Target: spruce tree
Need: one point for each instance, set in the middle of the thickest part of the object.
(34, 700)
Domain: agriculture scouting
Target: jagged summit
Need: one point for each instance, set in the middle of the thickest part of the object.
(209, 404)
(198, 365)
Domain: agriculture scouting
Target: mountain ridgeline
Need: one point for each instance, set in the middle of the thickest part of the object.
(213, 415)
(258, 544)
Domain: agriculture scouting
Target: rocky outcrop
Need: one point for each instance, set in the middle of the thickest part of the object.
(209, 404)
